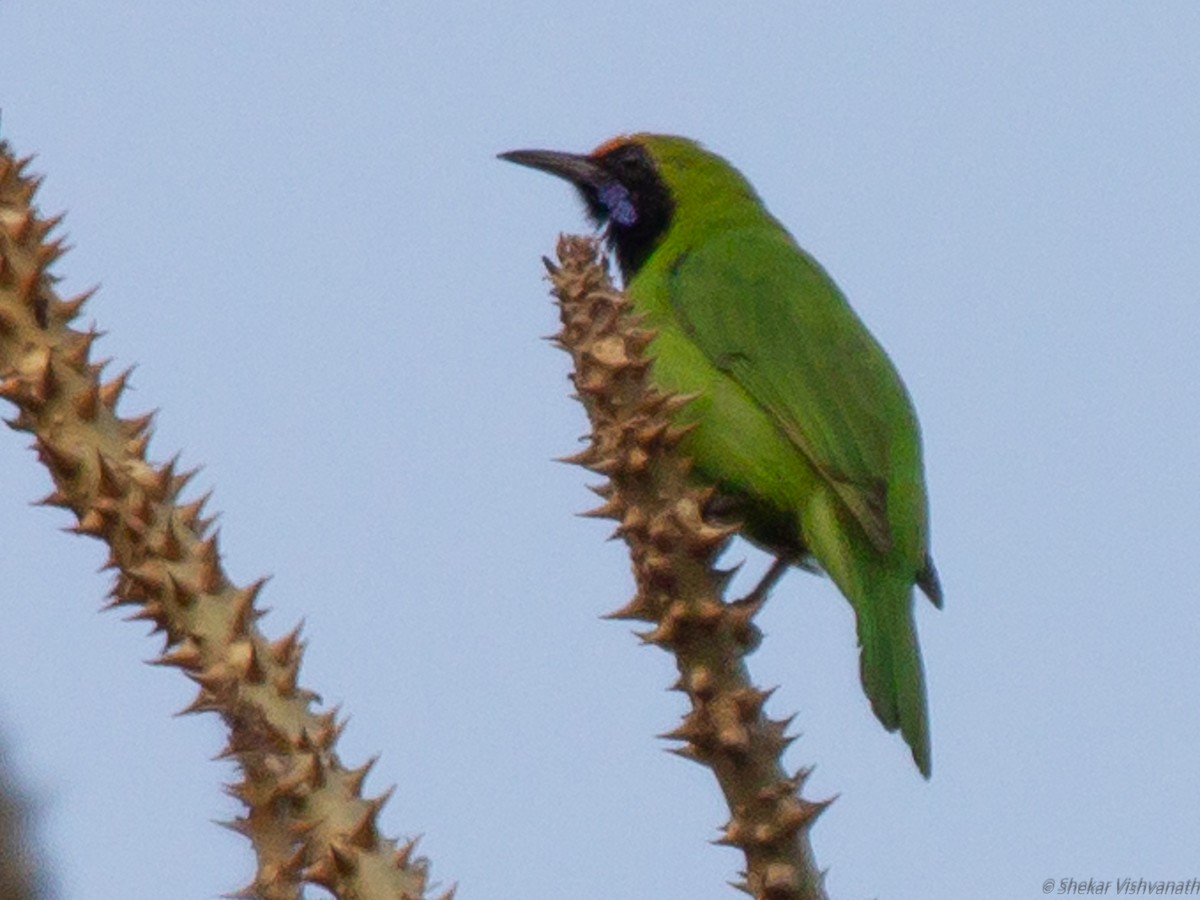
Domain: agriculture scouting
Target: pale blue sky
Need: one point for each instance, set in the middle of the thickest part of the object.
(333, 292)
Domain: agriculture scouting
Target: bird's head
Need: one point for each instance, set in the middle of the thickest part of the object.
(623, 187)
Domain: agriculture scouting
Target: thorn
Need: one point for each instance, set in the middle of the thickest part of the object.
(110, 392)
(329, 729)
(157, 482)
(12, 388)
(202, 702)
(68, 309)
(356, 777)
(582, 458)
(649, 435)
(211, 576)
(138, 425)
(189, 513)
(734, 834)
(137, 447)
(48, 383)
(48, 251)
(797, 781)
(365, 835)
(690, 731)
(214, 680)
(674, 402)
(244, 598)
(776, 733)
(47, 225)
(286, 679)
(237, 825)
(87, 402)
(796, 813)
(168, 546)
(750, 701)
(151, 612)
(147, 579)
(321, 872)
(633, 521)
(344, 858)
(283, 650)
(109, 484)
(186, 656)
(706, 539)
(689, 752)
(604, 490)
(743, 886)
(182, 480)
(677, 433)
(54, 498)
(613, 508)
(403, 857)
(62, 464)
(639, 609)
(210, 553)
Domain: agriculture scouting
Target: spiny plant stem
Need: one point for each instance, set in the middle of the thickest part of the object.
(680, 592)
(305, 812)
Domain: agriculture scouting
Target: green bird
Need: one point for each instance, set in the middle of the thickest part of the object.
(801, 421)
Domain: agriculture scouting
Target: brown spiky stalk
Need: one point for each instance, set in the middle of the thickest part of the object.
(305, 812)
(673, 547)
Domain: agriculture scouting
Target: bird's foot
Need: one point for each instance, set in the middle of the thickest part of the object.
(767, 582)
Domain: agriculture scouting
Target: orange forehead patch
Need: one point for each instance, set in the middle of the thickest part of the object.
(612, 144)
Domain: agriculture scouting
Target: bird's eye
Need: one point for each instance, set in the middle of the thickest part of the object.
(615, 198)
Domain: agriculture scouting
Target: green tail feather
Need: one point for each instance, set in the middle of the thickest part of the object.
(880, 589)
(891, 669)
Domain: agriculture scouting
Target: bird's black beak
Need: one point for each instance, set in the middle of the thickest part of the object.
(580, 170)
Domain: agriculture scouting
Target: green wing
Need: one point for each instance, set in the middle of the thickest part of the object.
(765, 313)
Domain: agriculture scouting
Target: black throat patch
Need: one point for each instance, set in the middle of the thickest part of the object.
(638, 209)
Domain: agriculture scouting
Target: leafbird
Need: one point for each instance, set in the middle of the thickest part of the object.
(800, 420)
